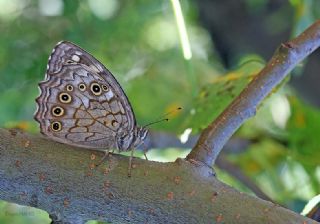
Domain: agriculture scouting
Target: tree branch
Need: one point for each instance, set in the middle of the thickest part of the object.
(165, 140)
(287, 56)
(59, 179)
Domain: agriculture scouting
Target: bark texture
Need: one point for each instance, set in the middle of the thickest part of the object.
(62, 180)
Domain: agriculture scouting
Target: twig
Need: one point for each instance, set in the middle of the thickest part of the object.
(286, 57)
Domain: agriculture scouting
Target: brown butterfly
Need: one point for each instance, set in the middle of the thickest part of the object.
(82, 104)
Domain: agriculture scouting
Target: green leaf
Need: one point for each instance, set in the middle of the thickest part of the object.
(216, 95)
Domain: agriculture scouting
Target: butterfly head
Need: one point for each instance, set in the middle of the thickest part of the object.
(141, 134)
(131, 140)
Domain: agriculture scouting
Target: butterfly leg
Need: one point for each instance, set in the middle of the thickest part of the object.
(130, 163)
(145, 155)
(145, 150)
(106, 154)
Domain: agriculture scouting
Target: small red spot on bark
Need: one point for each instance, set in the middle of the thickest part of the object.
(151, 210)
(214, 196)
(89, 174)
(288, 45)
(219, 218)
(106, 184)
(48, 190)
(192, 193)
(13, 132)
(92, 166)
(194, 162)
(18, 163)
(23, 195)
(110, 195)
(27, 144)
(106, 171)
(42, 176)
(66, 202)
(177, 180)
(170, 195)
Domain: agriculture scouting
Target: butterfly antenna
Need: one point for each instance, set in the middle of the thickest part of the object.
(163, 117)
(170, 112)
(154, 122)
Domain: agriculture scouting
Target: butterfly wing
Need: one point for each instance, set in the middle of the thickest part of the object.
(81, 103)
(66, 52)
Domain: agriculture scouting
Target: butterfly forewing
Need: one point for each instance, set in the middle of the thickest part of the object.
(66, 52)
(81, 103)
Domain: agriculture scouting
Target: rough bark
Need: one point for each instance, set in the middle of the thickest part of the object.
(158, 140)
(62, 180)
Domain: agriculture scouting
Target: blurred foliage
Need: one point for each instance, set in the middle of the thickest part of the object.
(218, 93)
(138, 41)
(13, 213)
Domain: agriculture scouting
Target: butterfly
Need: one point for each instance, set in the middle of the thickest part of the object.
(82, 104)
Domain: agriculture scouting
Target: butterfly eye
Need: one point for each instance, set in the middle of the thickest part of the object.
(64, 98)
(69, 88)
(56, 126)
(57, 111)
(82, 87)
(105, 88)
(95, 89)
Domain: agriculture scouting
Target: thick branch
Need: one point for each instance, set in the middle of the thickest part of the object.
(60, 180)
(288, 55)
(165, 140)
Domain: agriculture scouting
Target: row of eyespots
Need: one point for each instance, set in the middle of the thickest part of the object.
(95, 88)
(65, 98)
